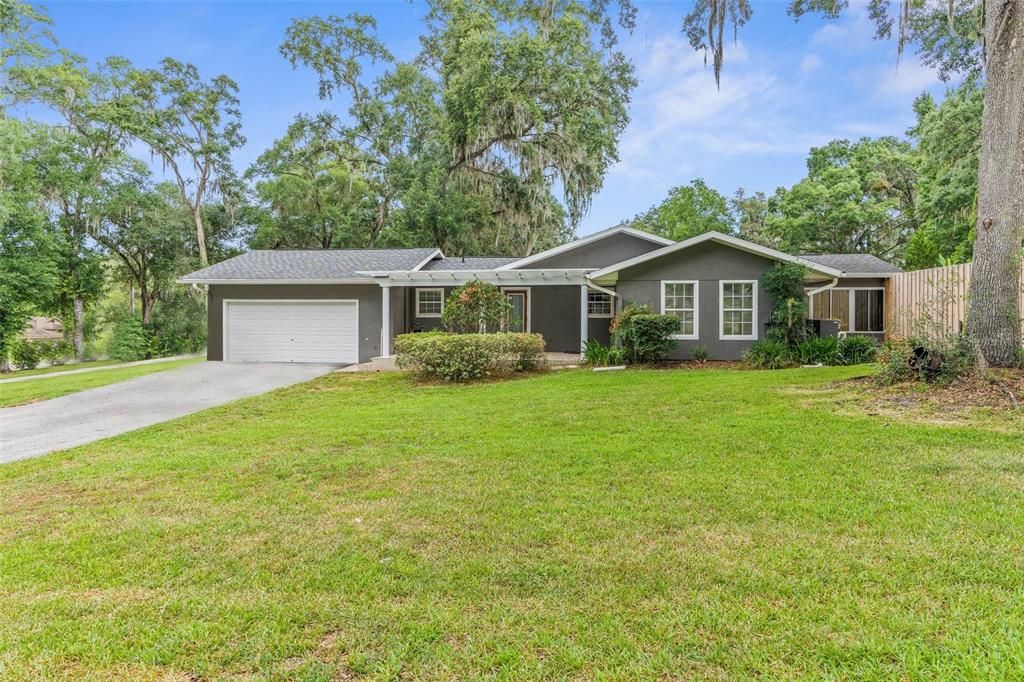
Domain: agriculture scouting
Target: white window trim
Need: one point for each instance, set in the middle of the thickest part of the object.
(851, 303)
(696, 307)
(602, 316)
(434, 315)
(722, 336)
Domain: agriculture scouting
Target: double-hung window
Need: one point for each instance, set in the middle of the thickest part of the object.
(679, 298)
(599, 304)
(429, 302)
(738, 312)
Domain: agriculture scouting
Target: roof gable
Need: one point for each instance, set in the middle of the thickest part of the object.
(645, 237)
(720, 238)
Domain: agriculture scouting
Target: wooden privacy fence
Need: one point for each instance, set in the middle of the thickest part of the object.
(932, 302)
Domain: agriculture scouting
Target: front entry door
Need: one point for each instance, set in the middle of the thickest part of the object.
(519, 316)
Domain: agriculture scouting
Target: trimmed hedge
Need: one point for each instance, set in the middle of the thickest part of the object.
(464, 357)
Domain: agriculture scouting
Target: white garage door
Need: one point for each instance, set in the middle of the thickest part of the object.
(291, 331)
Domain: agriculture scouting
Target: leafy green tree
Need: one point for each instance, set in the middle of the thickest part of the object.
(191, 124)
(313, 196)
(948, 138)
(750, 213)
(857, 198)
(73, 161)
(148, 233)
(28, 267)
(688, 211)
(505, 102)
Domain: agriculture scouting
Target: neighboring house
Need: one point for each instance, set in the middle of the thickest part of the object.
(348, 305)
(43, 329)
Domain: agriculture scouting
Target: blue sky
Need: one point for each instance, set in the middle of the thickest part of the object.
(786, 86)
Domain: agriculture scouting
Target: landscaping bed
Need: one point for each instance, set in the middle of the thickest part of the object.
(1000, 389)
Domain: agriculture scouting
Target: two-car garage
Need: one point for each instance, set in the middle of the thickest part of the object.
(291, 331)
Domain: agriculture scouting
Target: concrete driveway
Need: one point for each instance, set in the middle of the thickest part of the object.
(36, 429)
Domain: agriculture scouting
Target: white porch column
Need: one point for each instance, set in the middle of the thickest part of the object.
(385, 321)
(583, 316)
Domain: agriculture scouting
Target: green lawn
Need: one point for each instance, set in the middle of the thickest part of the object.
(58, 368)
(620, 525)
(20, 392)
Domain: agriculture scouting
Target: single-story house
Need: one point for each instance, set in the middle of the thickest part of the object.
(347, 305)
(43, 329)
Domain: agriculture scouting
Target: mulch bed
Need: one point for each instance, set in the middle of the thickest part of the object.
(1001, 389)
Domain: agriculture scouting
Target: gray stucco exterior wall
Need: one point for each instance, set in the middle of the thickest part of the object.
(554, 314)
(608, 251)
(368, 295)
(708, 264)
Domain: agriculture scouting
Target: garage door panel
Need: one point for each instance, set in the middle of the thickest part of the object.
(292, 331)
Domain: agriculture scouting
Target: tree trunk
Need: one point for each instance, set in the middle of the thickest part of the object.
(197, 217)
(993, 315)
(147, 308)
(79, 331)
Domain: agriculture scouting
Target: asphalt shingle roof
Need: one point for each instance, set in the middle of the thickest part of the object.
(299, 265)
(469, 263)
(859, 263)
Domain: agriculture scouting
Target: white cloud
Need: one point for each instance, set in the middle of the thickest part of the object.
(681, 120)
(810, 63)
(910, 77)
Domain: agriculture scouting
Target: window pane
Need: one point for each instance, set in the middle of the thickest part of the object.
(841, 308)
(429, 302)
(681, 301)
(599, 303)
(869, 311)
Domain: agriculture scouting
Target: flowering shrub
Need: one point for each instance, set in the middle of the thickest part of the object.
(464, 357)
(476, 308)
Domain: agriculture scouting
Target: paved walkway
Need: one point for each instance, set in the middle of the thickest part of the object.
(69, 372)
(36, 429)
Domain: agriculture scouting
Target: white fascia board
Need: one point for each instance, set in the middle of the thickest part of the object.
(590, 238)
(725, 239)
(188, 280)
(437, 253)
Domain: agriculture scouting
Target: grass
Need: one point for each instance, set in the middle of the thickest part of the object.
(621, 525)
(21, 392)
(53, 369)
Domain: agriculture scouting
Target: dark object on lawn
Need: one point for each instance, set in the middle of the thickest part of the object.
(925, 363)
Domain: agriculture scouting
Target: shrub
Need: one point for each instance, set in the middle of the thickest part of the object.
(179, 324)
(596, 354)
(911, 359)
(57, 352)
(893, 359)
(463, 357)
(783, 285)
(476, 308)
(818, 350)
(616, 356)
(768, 354)
(700, 354)
(130, 340)
(26, 354)
(645, 336)
(856, 350)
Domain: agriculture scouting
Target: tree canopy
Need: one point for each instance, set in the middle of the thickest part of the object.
(466, 144)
